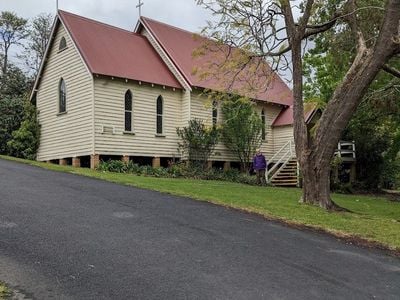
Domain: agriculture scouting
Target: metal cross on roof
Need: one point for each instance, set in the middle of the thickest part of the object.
(140, 7)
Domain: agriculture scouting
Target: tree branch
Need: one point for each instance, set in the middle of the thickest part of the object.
(391, 71)
(306, 15)
(354, 26)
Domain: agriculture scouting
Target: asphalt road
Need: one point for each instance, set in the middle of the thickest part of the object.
(69, 237)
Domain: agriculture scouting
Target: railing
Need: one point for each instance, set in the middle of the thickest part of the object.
(280, 159)
(346, 150)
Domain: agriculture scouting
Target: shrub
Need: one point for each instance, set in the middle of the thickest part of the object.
(242, 129)
(25, 141)
(198, 141)
(11, 117)
(179, 170)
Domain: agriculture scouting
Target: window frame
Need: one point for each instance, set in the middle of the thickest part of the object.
(160, 116)
(263, 122)
(214, 113)
(63, 44)
(130, 112)
(62, 95)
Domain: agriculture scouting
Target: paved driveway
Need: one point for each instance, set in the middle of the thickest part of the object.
(69, 237)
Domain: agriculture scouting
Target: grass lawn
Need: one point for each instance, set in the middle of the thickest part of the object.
(373, 218)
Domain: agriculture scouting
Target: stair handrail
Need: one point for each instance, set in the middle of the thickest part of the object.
(280, 150)
(283, 159)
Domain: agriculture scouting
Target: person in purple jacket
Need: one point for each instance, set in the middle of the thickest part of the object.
(259, 165)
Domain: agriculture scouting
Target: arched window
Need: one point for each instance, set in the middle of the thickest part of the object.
(63, 44)
(263, 125)
(160, 114)
(128, 110)
(62, 97)
(214, 113)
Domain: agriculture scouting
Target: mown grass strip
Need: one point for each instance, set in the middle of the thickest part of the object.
(373, 219)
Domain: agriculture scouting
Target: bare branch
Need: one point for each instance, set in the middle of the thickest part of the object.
(391, 71)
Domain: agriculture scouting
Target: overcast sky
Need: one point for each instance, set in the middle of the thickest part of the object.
(122, 13)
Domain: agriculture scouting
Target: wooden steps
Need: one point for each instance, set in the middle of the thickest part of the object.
(287, 176)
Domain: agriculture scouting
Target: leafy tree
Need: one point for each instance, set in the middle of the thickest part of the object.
(279, 29)
(241, 129)
(11, 114)
(15, 84)
(37, 40)
(25, 140)
(12, 32)
(198, 141)
(326, 65)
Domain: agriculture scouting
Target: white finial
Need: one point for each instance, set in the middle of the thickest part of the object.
(140, 7)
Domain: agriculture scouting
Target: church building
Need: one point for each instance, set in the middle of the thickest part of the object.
(105, 92)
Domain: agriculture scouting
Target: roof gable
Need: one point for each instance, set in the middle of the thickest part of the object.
(111, 51)
(180, 44)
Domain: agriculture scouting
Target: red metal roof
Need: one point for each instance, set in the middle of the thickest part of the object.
(111, 51)
(286, 115)
(180, 44)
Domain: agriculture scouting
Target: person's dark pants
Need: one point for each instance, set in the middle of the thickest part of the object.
(261, 177)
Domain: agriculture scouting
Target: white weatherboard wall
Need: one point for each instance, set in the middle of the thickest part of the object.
(282, 134)
(201, 108)
(110, 114)
(69, 134)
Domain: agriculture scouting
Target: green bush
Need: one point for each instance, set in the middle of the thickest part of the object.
(179, 170)
(198, 141)
(11, 117)
(24, 141)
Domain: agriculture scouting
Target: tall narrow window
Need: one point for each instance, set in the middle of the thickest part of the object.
(263, 125)
(63, 44)
(214, 113)
(160, 115)
(128, 111)
(62, 97)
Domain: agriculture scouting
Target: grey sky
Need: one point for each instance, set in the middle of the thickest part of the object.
(122, 13)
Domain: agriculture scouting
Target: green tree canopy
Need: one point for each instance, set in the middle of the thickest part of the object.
(374, 127)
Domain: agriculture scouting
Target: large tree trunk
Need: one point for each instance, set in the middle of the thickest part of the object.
(316, 182)
(315, 152)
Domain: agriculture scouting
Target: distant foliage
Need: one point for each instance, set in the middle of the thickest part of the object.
(25, 140)
(38, 37)
(198, 141)
(11, 115)
(14, 84)
(13, 30)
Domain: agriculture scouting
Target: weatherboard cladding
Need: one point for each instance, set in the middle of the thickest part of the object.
(69, 134)
(142, 141)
